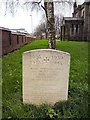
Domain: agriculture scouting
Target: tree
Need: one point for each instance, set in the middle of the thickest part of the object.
(51, 25)
(49, 10)
(58, 22)
(40, 29)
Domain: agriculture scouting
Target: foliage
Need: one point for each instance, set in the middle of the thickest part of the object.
(77, 104)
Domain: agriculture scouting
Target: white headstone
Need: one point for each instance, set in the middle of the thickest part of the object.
(45, 76)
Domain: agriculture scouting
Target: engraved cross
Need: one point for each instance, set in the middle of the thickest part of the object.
(46, 59)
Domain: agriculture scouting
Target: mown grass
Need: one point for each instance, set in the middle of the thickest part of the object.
(77, 104)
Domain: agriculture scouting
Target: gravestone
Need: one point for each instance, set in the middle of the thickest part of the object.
(45, 76)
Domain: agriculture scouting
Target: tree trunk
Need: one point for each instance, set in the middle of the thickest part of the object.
(49, 6)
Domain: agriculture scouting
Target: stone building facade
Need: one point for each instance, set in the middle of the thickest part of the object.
(77, 27)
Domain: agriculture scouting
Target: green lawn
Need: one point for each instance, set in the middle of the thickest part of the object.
(77, 104)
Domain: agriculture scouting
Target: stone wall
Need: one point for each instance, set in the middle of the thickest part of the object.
(72, 30)
(70, 27)
(87, 22)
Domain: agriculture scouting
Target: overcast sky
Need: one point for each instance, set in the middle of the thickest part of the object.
(25, 19)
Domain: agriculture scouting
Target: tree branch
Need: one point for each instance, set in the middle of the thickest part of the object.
(37, 2)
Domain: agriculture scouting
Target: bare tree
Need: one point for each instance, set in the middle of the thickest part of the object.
(40, 29)
(58, 22)
(50, 25)
(48, 7)
(49, 11)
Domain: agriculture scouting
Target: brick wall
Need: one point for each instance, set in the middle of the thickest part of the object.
(10, 41)
(6, 41)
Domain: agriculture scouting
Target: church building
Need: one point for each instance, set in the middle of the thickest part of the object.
(77, 27)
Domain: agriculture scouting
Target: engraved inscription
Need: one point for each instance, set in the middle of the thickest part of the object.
(54, 59)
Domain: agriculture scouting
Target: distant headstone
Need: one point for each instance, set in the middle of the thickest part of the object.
(45, 76)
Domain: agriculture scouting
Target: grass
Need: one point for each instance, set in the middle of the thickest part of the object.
(77, 104)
